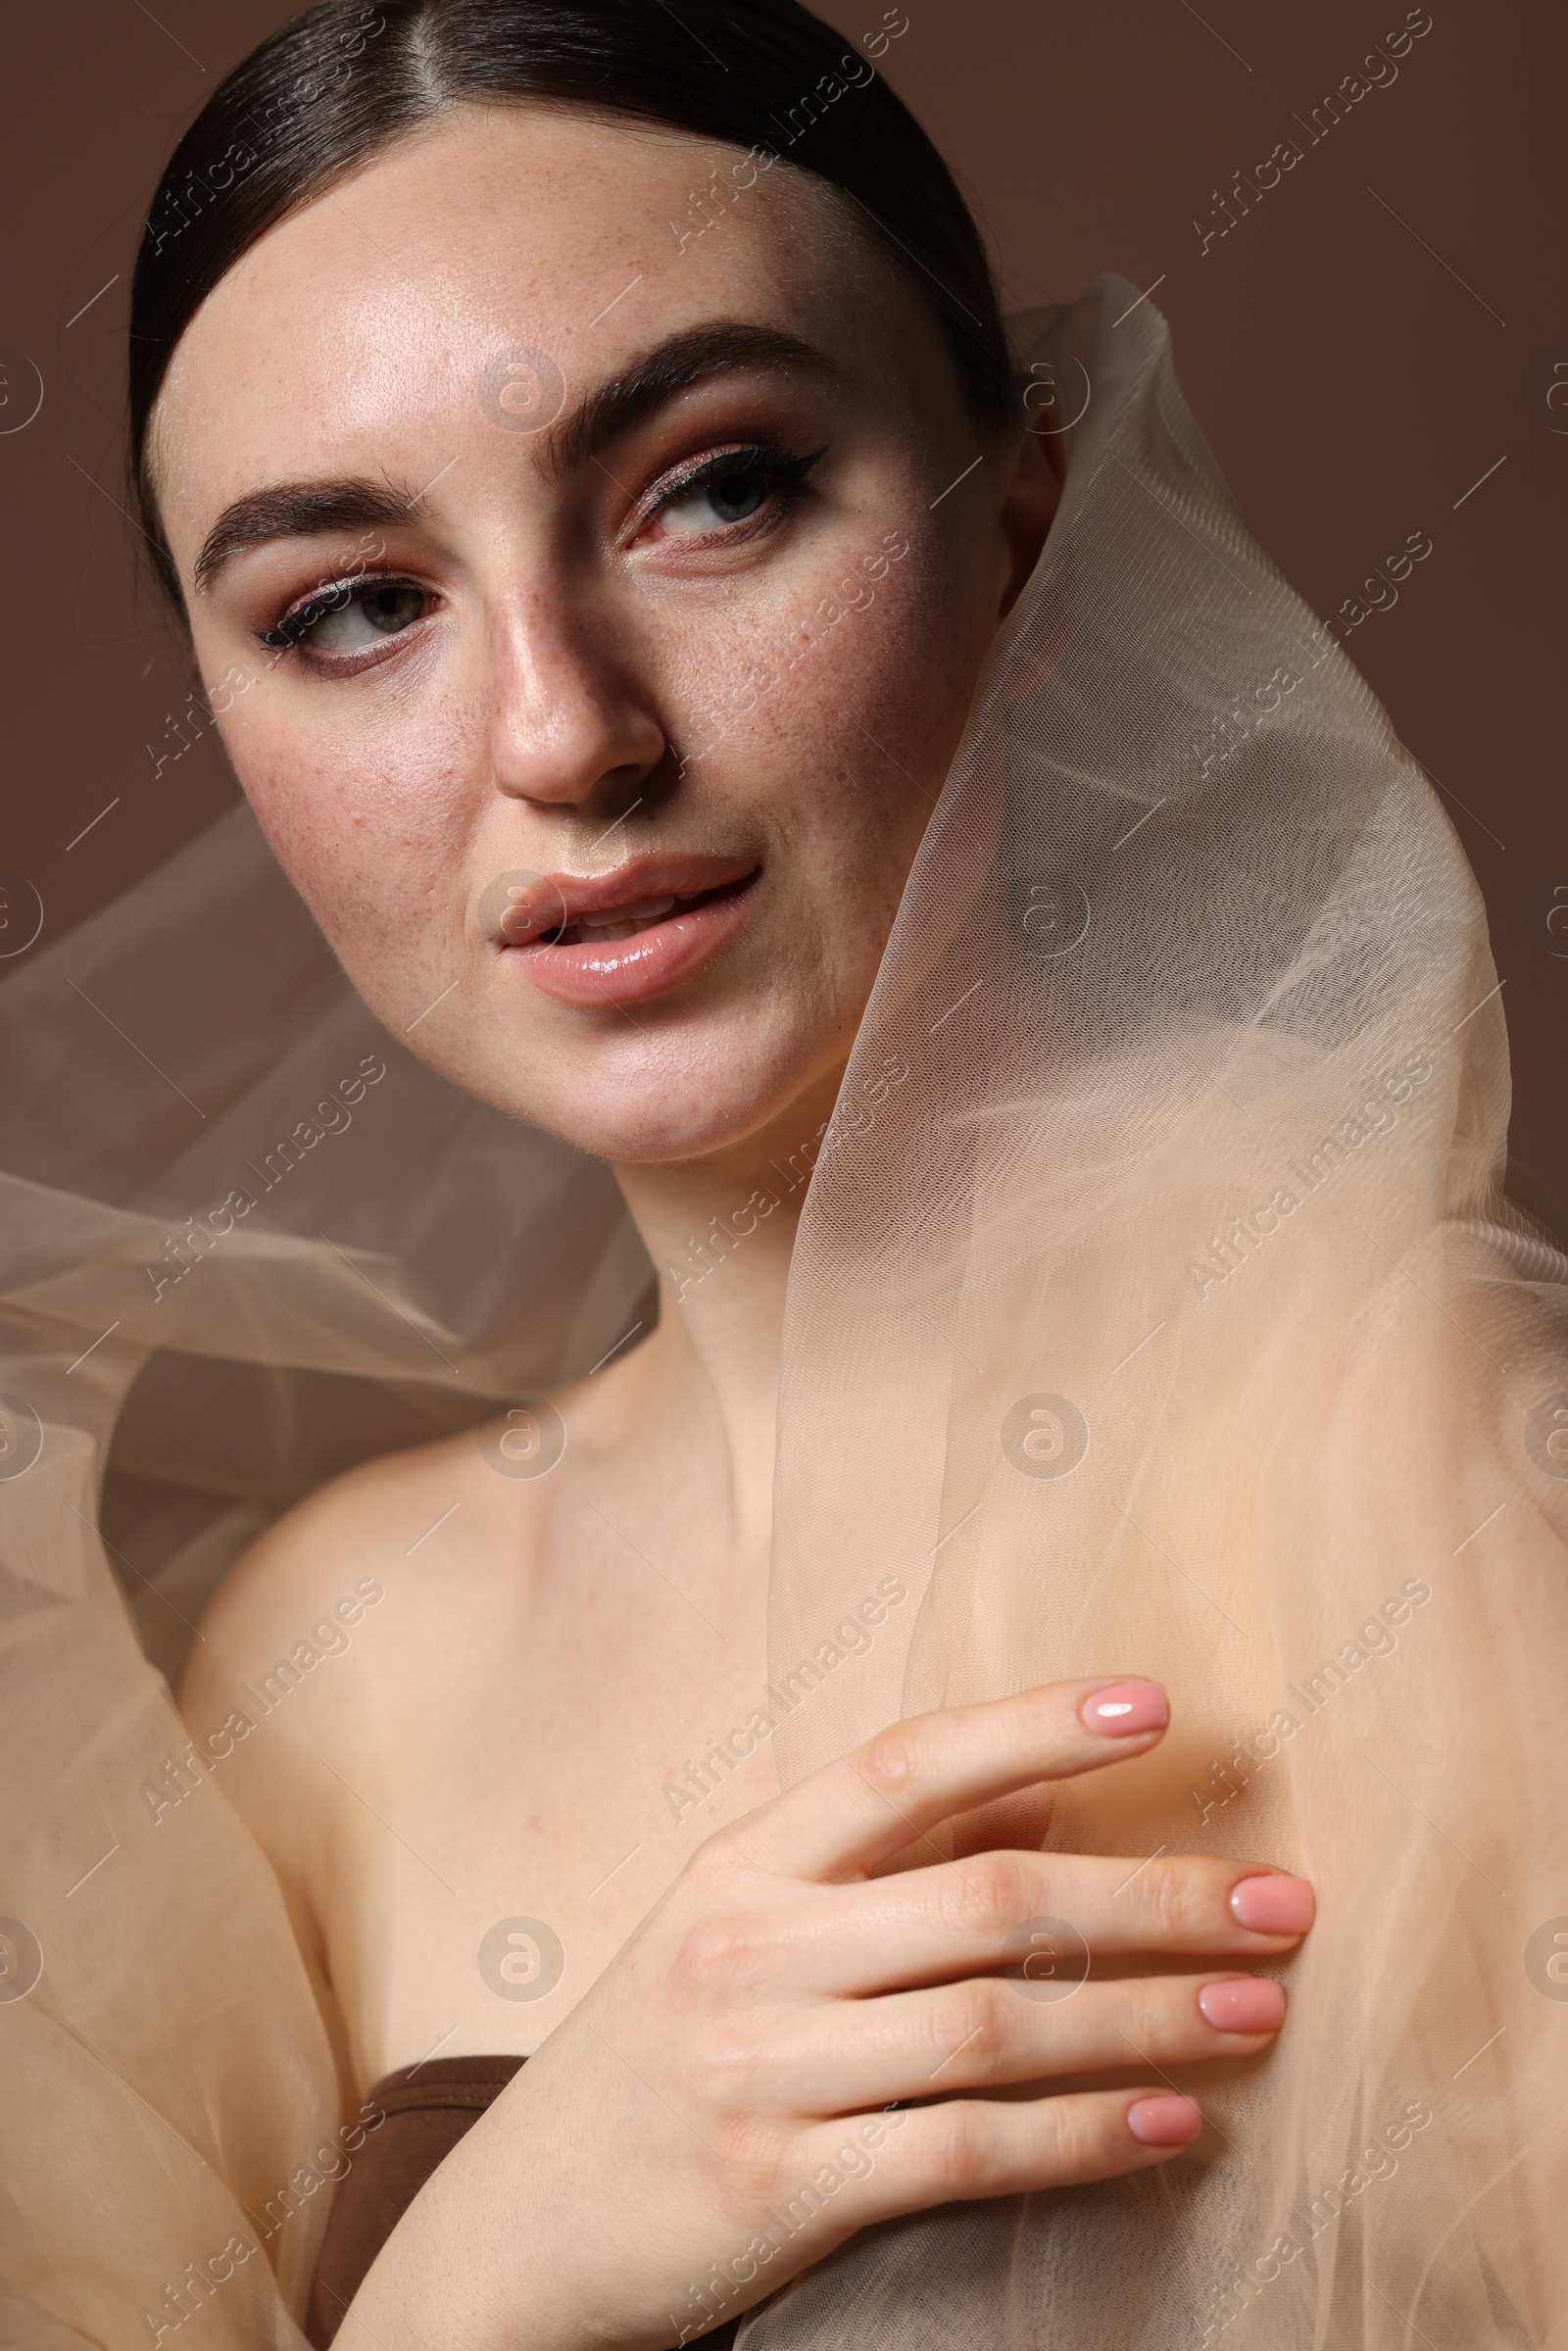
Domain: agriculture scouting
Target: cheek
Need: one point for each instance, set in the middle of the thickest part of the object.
(857, 733)
(366, 820)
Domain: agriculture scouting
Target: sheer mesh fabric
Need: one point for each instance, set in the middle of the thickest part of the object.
(1158, 1306)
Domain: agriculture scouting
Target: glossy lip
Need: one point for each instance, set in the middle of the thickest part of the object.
(619, 972)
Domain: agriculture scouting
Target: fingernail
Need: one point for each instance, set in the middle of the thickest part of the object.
(1273, 1905)
(1247, 2004)
(1164, 2122)
(1126, 1707)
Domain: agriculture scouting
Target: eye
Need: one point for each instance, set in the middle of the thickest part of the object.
(351, 617)
(732, 496)
(731, 489)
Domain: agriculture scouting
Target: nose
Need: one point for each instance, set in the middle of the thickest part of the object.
(572, 726)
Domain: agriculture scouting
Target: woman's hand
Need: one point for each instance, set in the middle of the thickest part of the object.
(783, 2051)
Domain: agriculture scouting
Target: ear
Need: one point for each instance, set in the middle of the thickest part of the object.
(1028, 508)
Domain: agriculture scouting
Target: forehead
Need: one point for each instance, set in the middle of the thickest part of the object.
(394, 297)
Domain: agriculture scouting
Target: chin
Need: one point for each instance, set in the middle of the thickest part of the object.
(690, 1094)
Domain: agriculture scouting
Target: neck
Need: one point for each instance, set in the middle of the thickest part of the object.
(721, 1230)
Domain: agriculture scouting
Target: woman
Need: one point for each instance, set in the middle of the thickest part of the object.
(725, 712)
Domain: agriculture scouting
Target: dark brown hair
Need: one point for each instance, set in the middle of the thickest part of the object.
(340, 82)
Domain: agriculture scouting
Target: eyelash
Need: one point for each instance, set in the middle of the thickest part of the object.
(290, 630)
(768, 462)
(785, 469)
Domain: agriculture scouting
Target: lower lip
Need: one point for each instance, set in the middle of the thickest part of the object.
(623, 971)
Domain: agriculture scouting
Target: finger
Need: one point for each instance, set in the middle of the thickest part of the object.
(988, 2032)
(962, 2148)
(912, 1775)
(1044, 1914)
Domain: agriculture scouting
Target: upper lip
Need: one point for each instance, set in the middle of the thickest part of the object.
(556, 900)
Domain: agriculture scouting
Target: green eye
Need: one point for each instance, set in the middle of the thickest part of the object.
(390, 607)
(351, 617)
(734, 496)
(732, 488)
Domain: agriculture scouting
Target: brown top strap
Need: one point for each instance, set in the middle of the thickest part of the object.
(427, 2109)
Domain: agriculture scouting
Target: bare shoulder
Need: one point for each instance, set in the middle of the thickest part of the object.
(314, 1566)
(413, 1539)
(350, 1644)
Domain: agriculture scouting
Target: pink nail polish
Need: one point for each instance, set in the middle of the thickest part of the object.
(1164, 2122)
(1126, 1707)
(1273, 1905)
(1247, 2004)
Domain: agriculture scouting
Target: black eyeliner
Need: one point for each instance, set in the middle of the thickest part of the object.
(287, 632)
(768, 462)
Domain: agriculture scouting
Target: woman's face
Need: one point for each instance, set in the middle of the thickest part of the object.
(592, 600)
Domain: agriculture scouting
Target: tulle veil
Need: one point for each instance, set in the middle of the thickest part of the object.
(1161, 1302)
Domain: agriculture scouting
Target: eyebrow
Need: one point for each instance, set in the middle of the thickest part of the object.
(298, 510)
(671, 367)
(294, 509)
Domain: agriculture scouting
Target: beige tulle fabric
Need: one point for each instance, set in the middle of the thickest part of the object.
(1158, 1306)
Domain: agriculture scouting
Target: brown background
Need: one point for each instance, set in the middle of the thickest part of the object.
(1357, 372)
